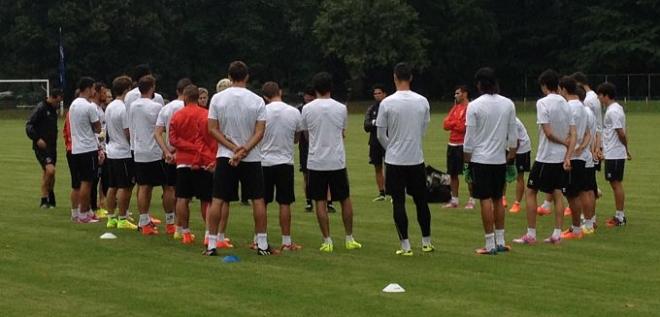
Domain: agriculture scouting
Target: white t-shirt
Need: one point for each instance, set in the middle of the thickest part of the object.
(165, 116)
(282, 123)
(489, 124)
(524, 145)
(591, 101)
(116, 121)
(325, 119)
(237, 111)
(101, 114)
(82, 114)
(131, 96)
(406, 115)
(591, 125)
(614, 119)
(579, 113)
(553, 110)
(143, 116)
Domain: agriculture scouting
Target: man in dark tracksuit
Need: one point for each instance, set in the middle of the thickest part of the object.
(41, 128)
(376, 151)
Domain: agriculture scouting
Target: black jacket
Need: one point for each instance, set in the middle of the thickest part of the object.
(42, 124)
(370, 123)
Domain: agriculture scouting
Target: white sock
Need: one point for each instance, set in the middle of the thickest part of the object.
(286, 240)
(499, 237)
(471, 200)
(74, 212)
(221, 236)
(620, 214)
(531, 232)
(454, 200)
(349, 238)
(576, 229)
(490, 241)
(206, 234)
(589, 223)
(254, 238)
(90, 213)
(169, 218)
(556, 234)
(426, 240)
(327, 240)
(405, 245)
(547, 204)
(213, 240)
(185, 230)
(262, 241)
(144, 220)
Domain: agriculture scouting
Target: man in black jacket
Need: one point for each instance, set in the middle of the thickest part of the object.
(41, 127)
(376, 151)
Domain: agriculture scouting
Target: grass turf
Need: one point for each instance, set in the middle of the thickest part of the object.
(49, 266)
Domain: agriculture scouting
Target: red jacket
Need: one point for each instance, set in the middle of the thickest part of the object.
(66, 132)
(455, 123)
(189, 136)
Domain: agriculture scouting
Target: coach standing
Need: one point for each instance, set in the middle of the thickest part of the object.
(41, 127)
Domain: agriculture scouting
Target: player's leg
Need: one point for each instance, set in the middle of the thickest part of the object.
(380, 182)
(534, 183)
(395, 186)
(49, 184)
(318, 187)
(75, 187)
(574, 194)
(501, 174)
(454, 166)
(416, 186)
(87, 167)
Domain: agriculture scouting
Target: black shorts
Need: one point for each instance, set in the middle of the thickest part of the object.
(121, 172)
(45, 156)
(402, 179)
(598, 165)
(170, 175)
(303, 150)
(590, 180)
(547, 177)
(197, 183)
(337, 181)
(576, 180)
(226, 178)
(488, 180)
(376, 154)
(523, 162)
(75, 180)
(278, 184)
(85, 165)
(104, 177)
(454, 160)
(150, 173)
(614, 170)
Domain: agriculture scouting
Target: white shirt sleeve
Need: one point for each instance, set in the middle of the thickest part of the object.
(93, 114)
(303, 120)
(470, 124)
(542, 113)
(617, 120)
(261, 110)
(298, 119)
(213, 114)
(344, 117)
(124, 118)
(427, 116)
(161, 120)
(381, 118)
(513, 128)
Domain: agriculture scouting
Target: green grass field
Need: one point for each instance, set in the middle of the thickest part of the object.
(51, 267)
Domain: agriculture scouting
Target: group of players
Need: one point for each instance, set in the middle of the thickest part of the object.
(241, 137)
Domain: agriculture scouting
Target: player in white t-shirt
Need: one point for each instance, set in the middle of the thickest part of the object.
(615, 149)
(149, 163)
(325, 121)
(119, 162)
(557, 139)
(591, 187)
(490, 130)
(576, 186)
(283, 126)
(100, 183)
(522, 164)
(237, 120)
(134, 94)
(163, 126)
(591, 100)
(402, 121)
(84, 122)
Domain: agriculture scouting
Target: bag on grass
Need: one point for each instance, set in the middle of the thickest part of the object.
(437, 186)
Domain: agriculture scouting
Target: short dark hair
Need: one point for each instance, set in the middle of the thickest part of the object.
(146, 83)
(190, 93)
(463, 88)
(403, 71)
(568, 83)
(486, 80)
(85, 82)
(270, 89)
(182, 83)
(607, 89)
(56, 92)
(141, 71)
(322, 83)
(378, 86)
(238, 71)
(550, 79)
(581, 78)
(579, 91)
(309, 90)
(98, 86)
(121, 85)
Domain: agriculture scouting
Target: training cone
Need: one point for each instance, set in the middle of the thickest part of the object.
(230, 259)
(108, 236)
(394, 288)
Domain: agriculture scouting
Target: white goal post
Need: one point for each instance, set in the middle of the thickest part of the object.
(44, 81)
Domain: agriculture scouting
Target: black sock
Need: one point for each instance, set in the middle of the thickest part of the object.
(44, 200)
(382, 193)
(51, 198)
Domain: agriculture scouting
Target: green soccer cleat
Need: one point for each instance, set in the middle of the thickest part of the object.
(428, 248)
(404, 252)
(125, 224)
(326, 247)
(112, 223)
(353, 245)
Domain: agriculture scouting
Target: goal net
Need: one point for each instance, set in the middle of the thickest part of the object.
(22, 93)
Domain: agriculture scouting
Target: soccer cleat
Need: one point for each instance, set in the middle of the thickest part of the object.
(615, 222)
(569, 235)
(84, 218)
(211, 252)
(112, 223)
(484, 251)
(542, 211)
(223, 245)
(567, 212)
(170, 229)
(552, 240)
(326, 247)
(428, 248)
(353, 245)
(503, 248)
(587, 231)
(178, 236)
(451, 204)
(308, 206)
(267, 251)
(470, 204)
(149, 229)
(379, 198)
(525, 239)
(101, 213)
(515, 208)
(125, 224)
(504, 202)
(404, 252)
(154, 220)
(188, 238)
(290, 247)
(331, 208)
